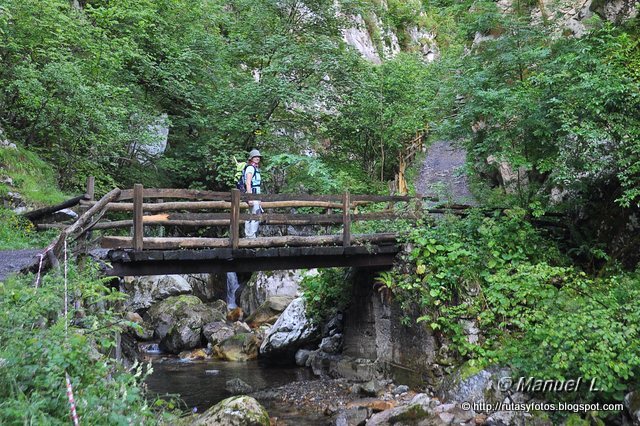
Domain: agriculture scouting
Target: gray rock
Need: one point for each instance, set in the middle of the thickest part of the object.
(452, 414)
(145, 291)
(292, 331)
(6, 180)
(234, 411)
(264, 285)
(241, 327)
(616, 11)
(237, 386)
(356, 416)
(63, 215)
(331, 344)
(217, 331)
(269, 311)
(178, 320)
(372, 388)
(163, 315)
(218, 305)
(208, 287)
(394, 416)
(302, 356)
(334, 325)
(632, 404)
(13, 200)
(479, 387)
(400, 389)
(186, 332)
(241, 347)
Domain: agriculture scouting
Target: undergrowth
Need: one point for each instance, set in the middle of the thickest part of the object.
(40, 345)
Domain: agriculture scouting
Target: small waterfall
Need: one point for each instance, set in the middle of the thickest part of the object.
(149, 348)
(232, 286)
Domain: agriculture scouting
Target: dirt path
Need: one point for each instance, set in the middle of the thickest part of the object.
(13, 260)
(442, 174)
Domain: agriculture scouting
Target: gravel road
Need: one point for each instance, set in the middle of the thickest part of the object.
(442, 174)
(13, 260)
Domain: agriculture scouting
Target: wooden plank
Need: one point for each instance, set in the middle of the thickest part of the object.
(257, 264)
(153, 243)
(37, 214)
(196, 194)
(54, 249)
(210, 205)
(91, 188)
(234, 227)
(187, 194)
(346, 219)
(138, 224)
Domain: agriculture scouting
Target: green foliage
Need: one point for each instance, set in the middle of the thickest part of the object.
(17, 232)
(40, 345)
(588, 329)
(326, 293)
(382, 114)
(534, 312)
(564, 110)
(309, 174)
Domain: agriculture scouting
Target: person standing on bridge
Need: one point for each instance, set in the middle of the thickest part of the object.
(252, 181)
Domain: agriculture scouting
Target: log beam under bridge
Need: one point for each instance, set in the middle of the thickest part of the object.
(126, 262)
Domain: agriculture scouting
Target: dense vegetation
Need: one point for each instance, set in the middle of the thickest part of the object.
(533, 309)
(35, 357)
(86, 85)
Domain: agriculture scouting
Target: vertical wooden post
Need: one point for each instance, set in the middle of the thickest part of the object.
(138, 226)
(91, 193)
(83, 241)
(234, 226)
(419, 204)
(118, 346)
(346, 219)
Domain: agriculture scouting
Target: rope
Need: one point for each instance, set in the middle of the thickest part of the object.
(72, 403)
(66, 297)
(40, 268)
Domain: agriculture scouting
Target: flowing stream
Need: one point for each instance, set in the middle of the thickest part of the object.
(201, 384)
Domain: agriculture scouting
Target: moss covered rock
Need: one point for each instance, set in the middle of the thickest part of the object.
(235, 411)
(241, 347)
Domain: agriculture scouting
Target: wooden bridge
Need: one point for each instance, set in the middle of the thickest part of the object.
(132, 225)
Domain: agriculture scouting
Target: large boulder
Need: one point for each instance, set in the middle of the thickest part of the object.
(186, 332)
(145, 291)
(235, 411)
(423, 410)
(471, 386)
(291, 332)
(269, 311)
(208, 287)
(270, 283)
(241, 347)
(183, 317)
(217, 332)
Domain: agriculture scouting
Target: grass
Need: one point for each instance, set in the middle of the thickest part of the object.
(18, 233)
(35, 181)
(33, 178)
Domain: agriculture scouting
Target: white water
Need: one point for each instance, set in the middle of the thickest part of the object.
(232, 286)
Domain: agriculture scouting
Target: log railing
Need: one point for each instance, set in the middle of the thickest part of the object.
(197, 209)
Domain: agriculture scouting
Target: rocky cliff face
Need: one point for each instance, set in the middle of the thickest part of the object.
(377, 41)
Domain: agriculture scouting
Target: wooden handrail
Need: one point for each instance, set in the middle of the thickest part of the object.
(74, 231)
(138, 211)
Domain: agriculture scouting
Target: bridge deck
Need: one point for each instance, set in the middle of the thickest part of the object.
(156, 262)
